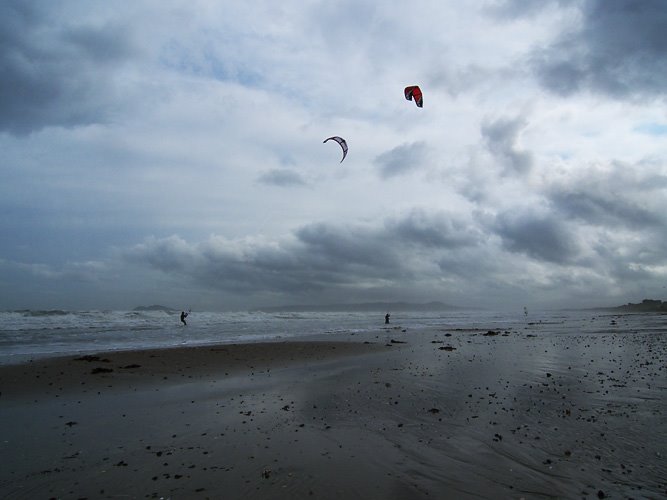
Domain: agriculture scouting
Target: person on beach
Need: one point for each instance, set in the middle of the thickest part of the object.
(386, 318)
(183, 316)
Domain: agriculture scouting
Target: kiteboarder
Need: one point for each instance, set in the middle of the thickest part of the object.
(386, 318)
(183, 316)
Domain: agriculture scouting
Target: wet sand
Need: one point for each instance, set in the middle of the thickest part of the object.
(395, 414)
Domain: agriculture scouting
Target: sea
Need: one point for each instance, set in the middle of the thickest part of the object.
(31, 334)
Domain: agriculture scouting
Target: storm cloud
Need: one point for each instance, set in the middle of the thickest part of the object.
(618, 195)
(619, 48)
(540, 237)
(335, 260)
(56, 75)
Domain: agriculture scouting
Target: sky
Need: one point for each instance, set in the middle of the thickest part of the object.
(171, 152)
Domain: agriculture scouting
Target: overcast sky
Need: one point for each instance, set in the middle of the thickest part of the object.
(172, 152)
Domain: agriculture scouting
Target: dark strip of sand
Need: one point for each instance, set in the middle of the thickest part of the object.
(126, 369)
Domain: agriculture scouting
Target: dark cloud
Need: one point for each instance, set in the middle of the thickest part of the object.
(614, 195)
(419, 253)
(544, 238)
(51, 74)
(282, 177)
(605, 209)
(433, 230)
(171, 254)
(100, 45)
(501, 138)
(620, 49)
(321, 258)
(402, 159)
(342, 247)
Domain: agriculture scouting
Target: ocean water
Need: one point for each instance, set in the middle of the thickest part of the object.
(32, 334)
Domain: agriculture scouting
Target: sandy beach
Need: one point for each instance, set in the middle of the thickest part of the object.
(394, 414)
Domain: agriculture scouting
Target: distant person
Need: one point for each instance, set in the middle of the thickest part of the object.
(386, 318)
(183, 316)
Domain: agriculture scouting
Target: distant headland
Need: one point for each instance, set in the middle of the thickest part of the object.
(153, 308)
(646, 305)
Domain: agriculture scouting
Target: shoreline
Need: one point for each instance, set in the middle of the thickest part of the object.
(438, 413)
(87, 335)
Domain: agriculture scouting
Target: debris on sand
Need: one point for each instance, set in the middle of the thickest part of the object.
(89, 358)
(101, 370)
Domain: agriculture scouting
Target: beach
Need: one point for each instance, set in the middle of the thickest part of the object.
(392, 413)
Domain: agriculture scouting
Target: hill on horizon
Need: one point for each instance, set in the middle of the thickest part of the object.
(646, 305)
(154, 307)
